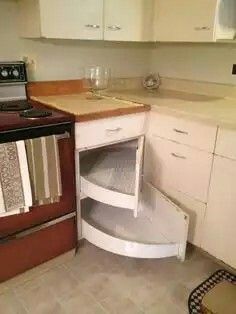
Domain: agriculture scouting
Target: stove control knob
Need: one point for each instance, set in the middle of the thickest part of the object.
(4, 73)
(15, 73)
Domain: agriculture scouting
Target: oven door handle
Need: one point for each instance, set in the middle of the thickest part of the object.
(63, 136)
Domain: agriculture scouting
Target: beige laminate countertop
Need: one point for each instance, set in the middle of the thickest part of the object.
(85, 109)
(208, 109)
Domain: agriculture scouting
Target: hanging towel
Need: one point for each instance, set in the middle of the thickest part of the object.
(44, 168)
(15, 188)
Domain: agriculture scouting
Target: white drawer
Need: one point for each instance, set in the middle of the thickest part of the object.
(104, 131)
(181, 167)
(226, 143)
(183, 131)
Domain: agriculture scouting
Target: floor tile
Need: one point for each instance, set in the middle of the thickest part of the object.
(99, 282)
(9, 304)
(165, 306)
(79, 302)
(59, 281)
(39, 300)
(119, 304)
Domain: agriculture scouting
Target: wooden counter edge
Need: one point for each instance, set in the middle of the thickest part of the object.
(111, 113)
(99, 115)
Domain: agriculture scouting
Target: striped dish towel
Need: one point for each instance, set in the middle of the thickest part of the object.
(44, 168)
(15, 189)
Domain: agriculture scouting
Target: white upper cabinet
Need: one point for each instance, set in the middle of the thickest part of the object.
(125, 20)
(195, 20)
(82, 19)
(71, 19)
(128, 20)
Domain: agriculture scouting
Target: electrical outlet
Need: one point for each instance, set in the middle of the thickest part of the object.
(234, 69)
(30, 66)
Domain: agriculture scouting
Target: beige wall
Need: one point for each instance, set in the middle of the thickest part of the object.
(61, 59)
(202, 62)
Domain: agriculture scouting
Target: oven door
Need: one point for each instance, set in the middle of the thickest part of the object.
(40, 214)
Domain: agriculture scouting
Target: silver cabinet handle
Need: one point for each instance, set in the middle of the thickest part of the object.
(114, 130)
(114, 27)
(202, 28)
(180, 131)
(92, 26)
(178, 156)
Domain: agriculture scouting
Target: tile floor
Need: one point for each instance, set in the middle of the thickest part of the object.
(98, 282)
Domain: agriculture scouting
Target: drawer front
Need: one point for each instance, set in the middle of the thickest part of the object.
(181, 167)
(21, 254)
(99, 132)
(226, 143)
(183, 131)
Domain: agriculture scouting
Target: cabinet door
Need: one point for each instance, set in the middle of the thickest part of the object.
(195, 209)
(219, 227)
(185, 20)
(128, 20)
(186, 169)
(72, 19)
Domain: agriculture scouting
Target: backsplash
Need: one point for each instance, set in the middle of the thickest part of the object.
(201, 62)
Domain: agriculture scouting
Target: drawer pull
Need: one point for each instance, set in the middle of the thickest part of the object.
(180, 131)
(94, 26)
(178, 156)
(114, 27)
(202, 28)
(114, 130)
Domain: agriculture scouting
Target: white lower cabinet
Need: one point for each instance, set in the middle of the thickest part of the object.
(123, 214)
(183, 174)
(219, 237)
(181, 167)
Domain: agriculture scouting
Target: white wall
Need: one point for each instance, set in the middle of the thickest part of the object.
(203, 62)
(60, 59)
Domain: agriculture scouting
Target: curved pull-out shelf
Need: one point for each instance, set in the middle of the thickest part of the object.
(159, 231)
(108, 176)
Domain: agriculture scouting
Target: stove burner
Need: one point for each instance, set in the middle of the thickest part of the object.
(15, 106)
(35, 113)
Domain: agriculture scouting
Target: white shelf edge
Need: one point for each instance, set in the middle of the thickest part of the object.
(107, 196)
(127, 248)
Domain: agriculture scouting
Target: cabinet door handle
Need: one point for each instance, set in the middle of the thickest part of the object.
(180, 131)
(114, 130)
(114, 27)
(202, 28)
(178, 156)
(92, 26)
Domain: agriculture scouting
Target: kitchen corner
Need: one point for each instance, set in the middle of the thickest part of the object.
(188, 120)
(117, 156)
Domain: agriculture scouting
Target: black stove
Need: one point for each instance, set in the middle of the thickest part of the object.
(24, 109)
(35, 113)
(15, 105)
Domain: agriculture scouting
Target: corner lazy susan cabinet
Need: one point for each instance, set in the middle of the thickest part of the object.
(119, 210)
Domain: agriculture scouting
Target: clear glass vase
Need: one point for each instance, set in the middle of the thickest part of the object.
(96, 79)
